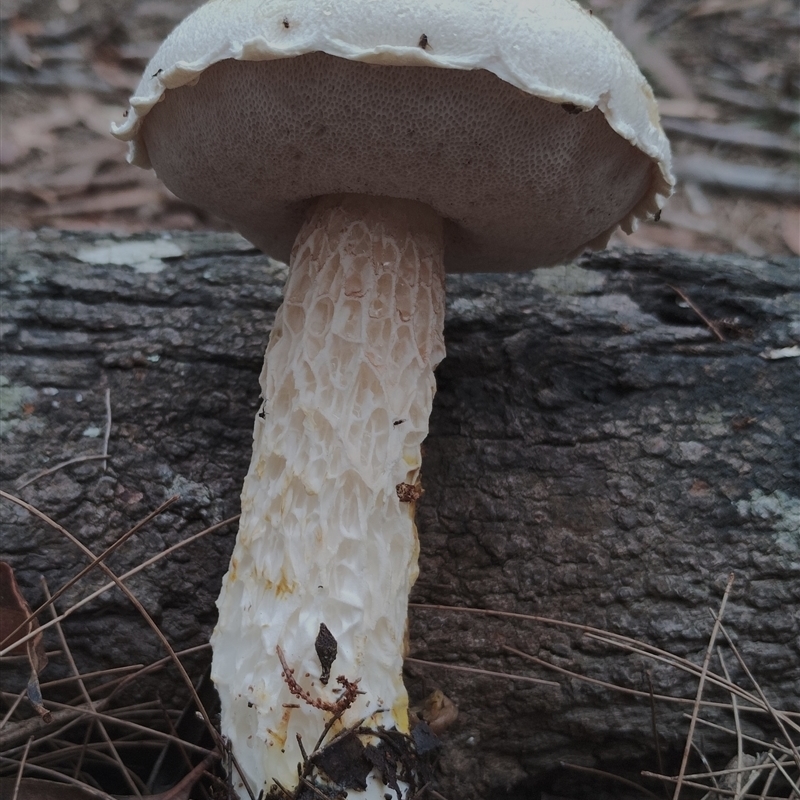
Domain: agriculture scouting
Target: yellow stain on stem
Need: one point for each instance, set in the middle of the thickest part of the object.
(283, 587)
(280, 736)
(400, 712)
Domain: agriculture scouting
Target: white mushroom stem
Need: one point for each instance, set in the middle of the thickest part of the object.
(324, 536)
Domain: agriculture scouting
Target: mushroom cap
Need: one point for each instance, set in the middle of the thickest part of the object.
(524, 123)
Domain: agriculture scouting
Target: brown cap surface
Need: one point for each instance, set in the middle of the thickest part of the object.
(533, 139)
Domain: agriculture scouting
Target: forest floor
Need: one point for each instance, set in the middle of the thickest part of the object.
(727, 73)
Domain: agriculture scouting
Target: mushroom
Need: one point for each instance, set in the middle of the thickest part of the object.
(373, 145)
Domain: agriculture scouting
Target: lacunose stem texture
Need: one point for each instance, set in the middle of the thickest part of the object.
(324, 537)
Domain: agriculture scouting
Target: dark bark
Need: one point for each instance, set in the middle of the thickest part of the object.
(595, 455)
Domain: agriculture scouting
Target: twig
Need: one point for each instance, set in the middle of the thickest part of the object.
(307, 783)
(701, 686)
(775, 716)
(19, 731)
(753, 101)
(784, 773)
(612, 686)
(737, 177)
(721, 791)
(754, 774)
(62, 722)
(129, 574)
(768, 782)
(12, 708)
(104, 555)
(98, 673)
(302, 749)
(426, 789)
(190, 778)
(654, 725)
(702, 756)
(126, 773)
(21, 769)
(477, 671)
(57, 467)
(711, 326)
(282, 788)
(610, 776)
(22, 659)
(736, 722)
(709, 8)
(121, 683)
(759, 742)
(326, 730)
(348, 696)
(59, 776)
(743, 135)
(615, 640)
(757, 705)
(240, 772)
(159, 762)
(84, 749)
(147, 618)
(104, 457)
(134, 726)
(64, 748)
(107, 435)
(57, 730)
(719, 773)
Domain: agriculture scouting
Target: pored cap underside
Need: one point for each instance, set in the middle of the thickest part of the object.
(526, 125)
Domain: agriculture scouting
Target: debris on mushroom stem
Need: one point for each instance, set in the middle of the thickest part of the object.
(326, 648)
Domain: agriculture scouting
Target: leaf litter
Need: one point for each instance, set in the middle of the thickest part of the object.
(772, 773)
(58, 758)
(68, 67)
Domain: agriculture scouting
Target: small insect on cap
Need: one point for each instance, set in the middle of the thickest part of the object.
(524, 123)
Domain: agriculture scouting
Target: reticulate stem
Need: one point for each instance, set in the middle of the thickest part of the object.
(327, 532)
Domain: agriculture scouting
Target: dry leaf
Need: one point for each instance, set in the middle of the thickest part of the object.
(732, 175)
(15, 610)
(708, 7)
(116, 75)
(687, 109)
(738, 134)
(37, 131)
(790, 229)
(743, 779)
(689, 221)
(17, 622)
(439, 711)
(111, 201)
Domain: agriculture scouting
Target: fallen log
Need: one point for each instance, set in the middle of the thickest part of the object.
(609, 442)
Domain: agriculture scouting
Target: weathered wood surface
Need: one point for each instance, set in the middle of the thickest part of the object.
(595, 455)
